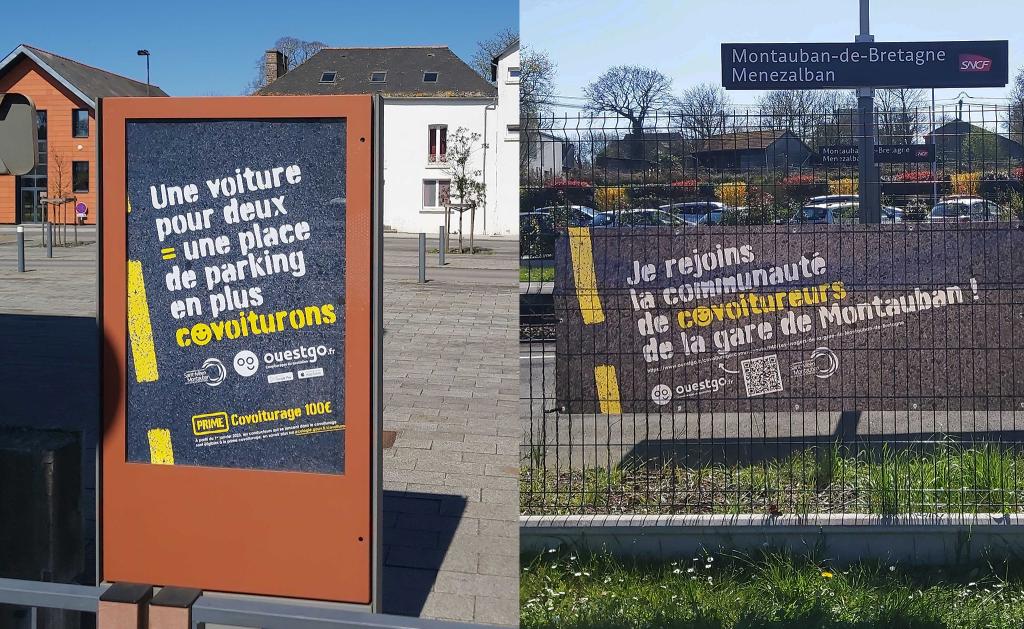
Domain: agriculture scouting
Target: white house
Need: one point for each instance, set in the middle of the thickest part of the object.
(428, 95)
(504, 138)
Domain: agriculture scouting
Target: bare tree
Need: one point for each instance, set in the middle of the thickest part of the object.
(901, 118)
(1015, 117)
(802, 111)
(488, 49)
(633, 92)
(536, 84)
(704, 111)
(466, 182)
(296, 51)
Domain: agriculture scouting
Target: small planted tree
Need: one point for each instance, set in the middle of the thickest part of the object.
(466, 183)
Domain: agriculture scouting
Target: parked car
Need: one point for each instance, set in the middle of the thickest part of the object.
(964, 209)
(638, 217)
(845, 213)
(539, 228)
(697, 212)
(833, 198)
(580, 214)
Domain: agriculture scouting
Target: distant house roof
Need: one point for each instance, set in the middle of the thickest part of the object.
(405, 67)
(86, 82)
(742, 141)
(512, 47)
(962, 127)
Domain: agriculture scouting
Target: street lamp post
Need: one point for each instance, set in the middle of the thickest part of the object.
(145, 53)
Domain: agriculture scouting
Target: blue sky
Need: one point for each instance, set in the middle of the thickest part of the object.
(682, 37)
(210, 47)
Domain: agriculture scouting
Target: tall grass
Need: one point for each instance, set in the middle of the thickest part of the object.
(768, 589)
(945, 478)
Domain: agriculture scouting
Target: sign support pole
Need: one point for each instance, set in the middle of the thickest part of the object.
(868, 188)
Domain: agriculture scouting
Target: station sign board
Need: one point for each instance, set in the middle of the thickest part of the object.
(834, 155)
(239, 313)
(904, 153)
(839, 154)
(960, 64)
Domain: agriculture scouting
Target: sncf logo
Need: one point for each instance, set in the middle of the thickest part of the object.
(975, 63)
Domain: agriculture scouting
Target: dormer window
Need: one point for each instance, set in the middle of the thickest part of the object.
(430, 77)
(378, 77)
(328, 77)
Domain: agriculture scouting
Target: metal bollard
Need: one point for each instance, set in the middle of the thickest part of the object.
(21, 248)
(49, 240)
(441, 245)
(423, 258)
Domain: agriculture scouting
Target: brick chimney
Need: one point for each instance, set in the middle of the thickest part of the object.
(275, 64)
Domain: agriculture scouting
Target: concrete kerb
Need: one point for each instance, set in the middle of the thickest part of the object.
(927, 540)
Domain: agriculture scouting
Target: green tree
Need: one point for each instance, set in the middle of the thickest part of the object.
(466, 179)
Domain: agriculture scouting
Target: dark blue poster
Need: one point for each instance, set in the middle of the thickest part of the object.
(236, 269)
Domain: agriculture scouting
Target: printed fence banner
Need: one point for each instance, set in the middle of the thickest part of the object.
(236, 283)
(903, 317)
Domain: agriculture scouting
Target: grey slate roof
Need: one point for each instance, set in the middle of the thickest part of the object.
(87, 82)
(404, 65)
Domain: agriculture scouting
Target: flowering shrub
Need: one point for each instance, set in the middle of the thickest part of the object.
(1018, 173)
(609, 198)
(913, 176)
(965, 183)
(732, 192)
(685, 183)
(570, 183)
(805, 179)
(847, 185)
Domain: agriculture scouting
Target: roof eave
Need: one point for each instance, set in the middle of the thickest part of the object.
(25, 50)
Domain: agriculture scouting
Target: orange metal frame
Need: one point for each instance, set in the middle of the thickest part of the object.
(233, 530)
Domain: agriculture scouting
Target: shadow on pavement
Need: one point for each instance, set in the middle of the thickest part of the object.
(418, 532)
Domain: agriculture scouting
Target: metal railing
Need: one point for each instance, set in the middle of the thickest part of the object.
(924, 420)
(218, 609)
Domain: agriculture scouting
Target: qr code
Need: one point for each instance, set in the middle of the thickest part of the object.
(761, 375)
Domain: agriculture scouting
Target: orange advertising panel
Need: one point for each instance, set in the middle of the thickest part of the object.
(240, 321)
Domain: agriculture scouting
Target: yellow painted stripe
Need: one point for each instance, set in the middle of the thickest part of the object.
(160, 450)
(129, 201)
(167, 250)
(607, 389)
(583, 272)
(140, 331)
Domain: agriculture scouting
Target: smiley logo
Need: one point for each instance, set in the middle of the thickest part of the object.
(201, 334)
(245, 363)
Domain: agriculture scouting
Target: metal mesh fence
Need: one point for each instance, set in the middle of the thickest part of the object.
(880, 401)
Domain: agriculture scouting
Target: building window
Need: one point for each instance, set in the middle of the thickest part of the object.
(328, 77)
(435, 192)
(513, 75)
(80, 123)
(80, 176)
(430, 77)
(437, 143)
(378, 77)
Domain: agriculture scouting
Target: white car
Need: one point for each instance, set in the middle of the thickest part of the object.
(964, 209)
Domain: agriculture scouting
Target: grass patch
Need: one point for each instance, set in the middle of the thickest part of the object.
(949, 478)
(465, 251)
(770, 590)
(536, 274)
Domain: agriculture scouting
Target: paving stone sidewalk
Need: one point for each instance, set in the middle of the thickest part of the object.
(451, 378)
